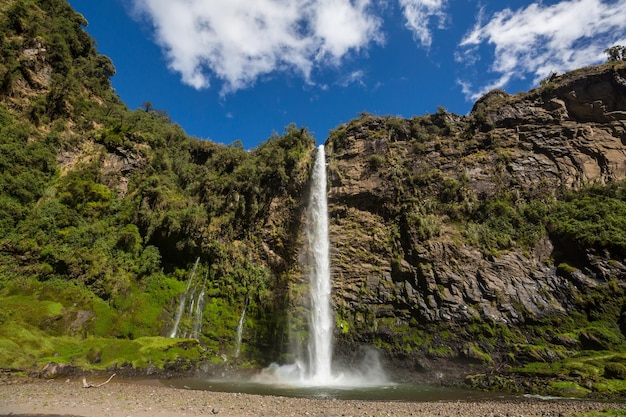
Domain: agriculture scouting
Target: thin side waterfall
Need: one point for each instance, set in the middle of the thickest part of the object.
(183, 301)
(197, 315)
(321, 318)
(240, 328)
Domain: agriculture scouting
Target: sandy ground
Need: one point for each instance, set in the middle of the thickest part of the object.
(122, 399)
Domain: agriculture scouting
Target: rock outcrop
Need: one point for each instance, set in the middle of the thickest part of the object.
(403, 265)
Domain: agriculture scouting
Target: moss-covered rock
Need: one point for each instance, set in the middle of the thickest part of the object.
(615, 370)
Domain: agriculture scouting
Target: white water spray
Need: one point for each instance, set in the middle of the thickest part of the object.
(321, 318)
(369, 371)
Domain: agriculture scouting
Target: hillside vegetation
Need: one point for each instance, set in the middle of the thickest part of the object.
(490, 245)
(103, 210)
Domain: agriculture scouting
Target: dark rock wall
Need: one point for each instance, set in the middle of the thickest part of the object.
(393, 285)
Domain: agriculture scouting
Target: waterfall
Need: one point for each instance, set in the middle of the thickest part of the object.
(240, 328)
(366, 369)
(321, 318)
(197, 314)
(183, 301)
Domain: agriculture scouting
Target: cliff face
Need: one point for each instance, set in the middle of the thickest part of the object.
(497, 238)
(410, 201)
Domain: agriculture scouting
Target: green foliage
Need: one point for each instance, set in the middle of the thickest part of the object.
(338, 138)
(616, 53)
(129, 239)
(425, 226)
(595, 217)
(74, 227)
(375, 161)
(26, 164)
(80, 190)
(503, 223)
(193, 199)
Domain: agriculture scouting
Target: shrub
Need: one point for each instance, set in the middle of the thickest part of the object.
(375, 161)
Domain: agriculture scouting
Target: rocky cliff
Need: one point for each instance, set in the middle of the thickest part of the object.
(491, 241)
(430, 258)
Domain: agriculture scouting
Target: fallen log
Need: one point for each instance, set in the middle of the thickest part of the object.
(88, 385)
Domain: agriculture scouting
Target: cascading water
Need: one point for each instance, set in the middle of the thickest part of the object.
(369, 372)
(197, 314)
(321, 318)
(240, 328)
(183, 302)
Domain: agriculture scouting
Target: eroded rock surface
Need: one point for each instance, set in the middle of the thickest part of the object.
(399, 265)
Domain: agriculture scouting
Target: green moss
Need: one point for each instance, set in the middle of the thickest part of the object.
(473, 352)
(542, 368)
(534, 352)
(565, 268)
(221, 322)
(216, 360)
(600, 335)
(27, 343)
(31, 310)
(567, 389)
(587, 366)
(609, 388)
(441, 352)
(615, 370)
(105, 319)
(32, 335)
(343, 325)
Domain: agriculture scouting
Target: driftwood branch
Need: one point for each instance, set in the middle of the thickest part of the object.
(88, 385)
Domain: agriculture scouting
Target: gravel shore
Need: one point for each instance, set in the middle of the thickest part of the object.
(123, 399)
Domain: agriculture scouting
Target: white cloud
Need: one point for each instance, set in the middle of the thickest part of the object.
(355, 77)
(538, 39)
(237, 41)
(419, 14)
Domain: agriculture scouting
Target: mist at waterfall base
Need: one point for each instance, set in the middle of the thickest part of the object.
(391, 392)
(316, 369)
(314, 374)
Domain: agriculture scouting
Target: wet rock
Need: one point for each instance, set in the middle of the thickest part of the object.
(55, 370)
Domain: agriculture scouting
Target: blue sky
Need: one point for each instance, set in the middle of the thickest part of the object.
(243, 69)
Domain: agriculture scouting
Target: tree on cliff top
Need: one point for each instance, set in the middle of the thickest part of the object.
(616, 53)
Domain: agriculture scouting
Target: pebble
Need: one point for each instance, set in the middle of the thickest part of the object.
(124, 398)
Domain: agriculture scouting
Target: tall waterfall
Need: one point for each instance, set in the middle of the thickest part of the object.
(368, 371)
(321, 318)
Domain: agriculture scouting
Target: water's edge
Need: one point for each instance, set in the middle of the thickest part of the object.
(389, 392)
